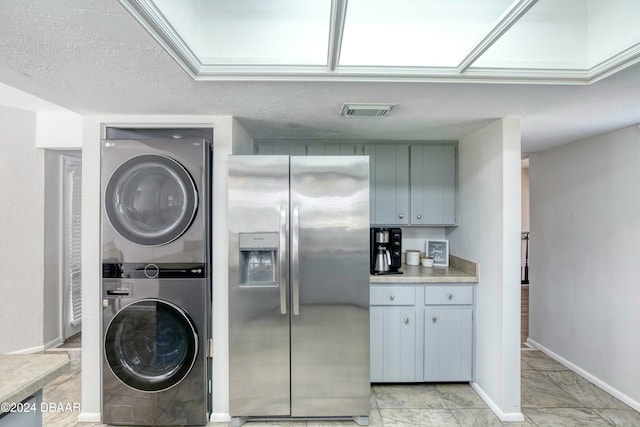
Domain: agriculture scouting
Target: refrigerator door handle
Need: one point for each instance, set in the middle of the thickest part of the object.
(283, 259)
(295, 260)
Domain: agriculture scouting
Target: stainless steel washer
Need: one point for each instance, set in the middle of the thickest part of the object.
(155, 365)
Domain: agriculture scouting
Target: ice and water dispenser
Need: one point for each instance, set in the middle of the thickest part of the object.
(258, 259)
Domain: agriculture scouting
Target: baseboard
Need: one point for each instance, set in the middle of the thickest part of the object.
(219, 417)
(29, 350)
(90, 417)
(586, 375)
(53, 343)
(503, 416)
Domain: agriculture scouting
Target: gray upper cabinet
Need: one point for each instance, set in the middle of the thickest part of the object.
(433, 184)
(389, 183)
(281, 148)
(409, 184)
(334, 149)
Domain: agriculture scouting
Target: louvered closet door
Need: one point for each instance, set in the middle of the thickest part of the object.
(72, 245)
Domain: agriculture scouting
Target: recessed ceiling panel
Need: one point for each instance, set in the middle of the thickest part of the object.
(552, 35)
(567, 41)
(253, 32)
(427, 33)
(613, 28)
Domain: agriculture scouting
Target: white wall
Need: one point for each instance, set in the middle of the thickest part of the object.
(22, 231)
(416, 237)
(16, 98)
(489, 234)
(585, 228)
(59, 129)
(226, 133)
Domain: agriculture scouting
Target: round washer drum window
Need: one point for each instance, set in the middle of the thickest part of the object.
(151, 345)
(151, 200)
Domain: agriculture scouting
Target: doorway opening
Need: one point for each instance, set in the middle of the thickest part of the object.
(62, 305)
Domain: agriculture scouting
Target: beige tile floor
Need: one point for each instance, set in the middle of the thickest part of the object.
(551, 396)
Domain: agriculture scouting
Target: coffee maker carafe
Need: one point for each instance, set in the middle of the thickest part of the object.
(383, 260)
(386, 248)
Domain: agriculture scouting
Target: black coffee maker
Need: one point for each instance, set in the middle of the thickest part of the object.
(385, 250)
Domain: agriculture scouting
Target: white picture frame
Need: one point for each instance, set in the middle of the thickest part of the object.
(439, 251)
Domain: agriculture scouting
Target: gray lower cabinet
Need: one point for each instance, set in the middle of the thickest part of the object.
(395, 334)
(422, 332)
(448, 343)
(393, 344)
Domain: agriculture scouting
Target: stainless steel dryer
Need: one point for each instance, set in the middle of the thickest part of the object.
(154, 195)
(155, 365)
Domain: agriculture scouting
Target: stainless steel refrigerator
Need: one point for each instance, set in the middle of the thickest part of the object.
(299, 287)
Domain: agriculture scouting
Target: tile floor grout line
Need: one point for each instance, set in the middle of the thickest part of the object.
(586, 406)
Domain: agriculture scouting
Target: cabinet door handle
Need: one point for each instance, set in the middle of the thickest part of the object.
(434, 318)
(449, 296)
(392, 297)
(406, 320)
(419, 216)
(401, 216)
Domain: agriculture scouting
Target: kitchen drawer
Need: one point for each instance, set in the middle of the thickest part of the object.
(448, 295)
(393, 295)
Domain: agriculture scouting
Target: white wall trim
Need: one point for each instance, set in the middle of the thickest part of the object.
(90, 417)
(219, 417)
(29, 350)
(503, 416)
(586, 375)
(53, 343)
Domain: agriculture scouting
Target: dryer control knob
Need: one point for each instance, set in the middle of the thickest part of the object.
(151, 271)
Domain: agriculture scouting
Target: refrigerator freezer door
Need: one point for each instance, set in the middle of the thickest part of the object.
(258, 320)
(330, 328)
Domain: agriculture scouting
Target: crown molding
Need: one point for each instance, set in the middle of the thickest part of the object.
(617, 62)
(154, 23)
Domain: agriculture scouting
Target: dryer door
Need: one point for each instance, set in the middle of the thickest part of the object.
(151, 200)
(151, 345)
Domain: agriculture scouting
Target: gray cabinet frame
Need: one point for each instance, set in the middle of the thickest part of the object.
(441, 351)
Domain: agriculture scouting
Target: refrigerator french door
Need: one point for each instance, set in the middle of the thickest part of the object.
(299, 287)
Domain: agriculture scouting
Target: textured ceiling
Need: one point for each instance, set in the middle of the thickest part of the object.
(90, 56)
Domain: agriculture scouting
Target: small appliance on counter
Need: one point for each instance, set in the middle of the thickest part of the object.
(385, 250)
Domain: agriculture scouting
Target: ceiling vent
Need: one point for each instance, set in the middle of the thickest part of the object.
(366, 110)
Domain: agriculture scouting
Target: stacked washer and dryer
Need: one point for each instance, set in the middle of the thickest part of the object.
(156, 286)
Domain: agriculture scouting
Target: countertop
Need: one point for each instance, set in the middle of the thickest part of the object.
(22, 375)
(458, 271)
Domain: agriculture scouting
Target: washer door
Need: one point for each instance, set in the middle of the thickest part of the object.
(151, 200)
(151, 345)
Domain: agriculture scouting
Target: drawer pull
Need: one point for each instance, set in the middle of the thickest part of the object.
(449, 296)
(392, 297)
(434, 318)
(419, 216)
(406, 320)
(401, 216)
